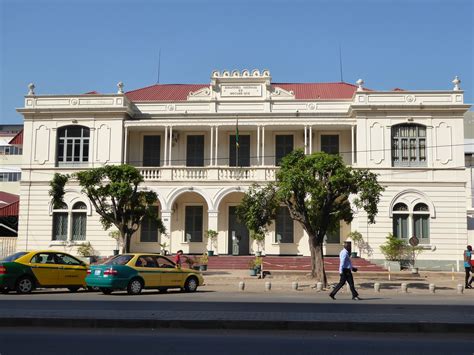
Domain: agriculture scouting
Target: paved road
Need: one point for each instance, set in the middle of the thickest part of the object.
(197, 342)
(251, 310)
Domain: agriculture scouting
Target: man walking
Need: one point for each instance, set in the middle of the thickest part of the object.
(345, 271)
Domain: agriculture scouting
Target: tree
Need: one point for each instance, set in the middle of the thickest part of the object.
(113, 191)
(317, 189)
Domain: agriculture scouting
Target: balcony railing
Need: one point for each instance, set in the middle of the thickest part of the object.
(208, 173)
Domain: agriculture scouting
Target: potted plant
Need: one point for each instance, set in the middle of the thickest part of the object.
(212, 236)
(412, 252)
(115, 234)
(191, 261)
(358, 242)
(259, 238)
(203, 261)
(87, 252)
(163, 247)
(255, 265)
(394, 251)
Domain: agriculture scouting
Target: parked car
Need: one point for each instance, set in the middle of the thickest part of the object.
(25, 271)
(137, 271)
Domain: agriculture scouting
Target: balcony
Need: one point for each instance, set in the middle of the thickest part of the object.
(251, 174)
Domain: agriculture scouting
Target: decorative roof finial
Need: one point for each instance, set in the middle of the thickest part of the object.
(31, 89)
(456, 83)
(359, 83)
(120, 87)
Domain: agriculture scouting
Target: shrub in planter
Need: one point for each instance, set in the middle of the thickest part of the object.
(357, 240)
(212, 236)
(255, 265)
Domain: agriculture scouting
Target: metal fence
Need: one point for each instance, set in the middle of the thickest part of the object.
(7, 246)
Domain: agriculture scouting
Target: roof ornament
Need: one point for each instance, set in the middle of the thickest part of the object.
(456, 83)
(120, 87)
(31, 89)
(359, 83)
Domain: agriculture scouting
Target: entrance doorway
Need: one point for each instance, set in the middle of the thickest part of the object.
(238, 235)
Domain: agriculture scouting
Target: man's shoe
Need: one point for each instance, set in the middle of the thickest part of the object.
(468, 286)
(332, 296)
(356, 298)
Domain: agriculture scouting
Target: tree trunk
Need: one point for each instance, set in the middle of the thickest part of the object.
(317, 263)
(128, 238)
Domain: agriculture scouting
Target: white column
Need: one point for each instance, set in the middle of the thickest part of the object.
(125, 146)
(258, 144)
(305, 140)
(169, 145)
(263, 145)
(165, 157)
(166, 219)
(310, 139)
(216, 150)
(353, 144)
(212, 218)
(212, 146)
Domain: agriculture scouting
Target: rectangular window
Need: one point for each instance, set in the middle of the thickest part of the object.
(333, 237)
(195, 151)
(283, 226)
(149, 228)
(193, 224)
(79, 224)
(243, 152)
(421, 223)
(151, 150)
(330, 144)
(400, 225)
(60, 225)
(283, 147)
(409, 145)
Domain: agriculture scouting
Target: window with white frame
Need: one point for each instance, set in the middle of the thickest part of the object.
(10, 150)
(73, 145)
(284, 228)
(10, 176)
(409, 145)
(330, 143)
(193, 224)
(70, 224)
(411, 223)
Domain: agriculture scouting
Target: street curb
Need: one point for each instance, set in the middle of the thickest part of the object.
(398, 327)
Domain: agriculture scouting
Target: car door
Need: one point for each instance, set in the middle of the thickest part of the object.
(71, 271)
(45, 269)
(146, 267)
(170, 275)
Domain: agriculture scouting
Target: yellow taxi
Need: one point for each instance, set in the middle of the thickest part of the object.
(137, 271)
(25, 271)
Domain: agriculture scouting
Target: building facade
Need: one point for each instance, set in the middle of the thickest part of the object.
(183, 140)
(11, 146)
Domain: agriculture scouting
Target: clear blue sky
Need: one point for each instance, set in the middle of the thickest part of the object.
(79, 46)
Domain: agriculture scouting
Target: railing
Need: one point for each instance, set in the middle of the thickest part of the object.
(7, 246)
(208, 173)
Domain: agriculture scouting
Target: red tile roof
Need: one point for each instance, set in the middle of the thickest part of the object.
(9, 204)
(7, 198)
(302, 91)
(18, 139)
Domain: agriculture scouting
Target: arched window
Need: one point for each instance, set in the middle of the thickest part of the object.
(73, 145)
(79, 221)
(60, 223)
(421, 222)
(409, 145)
(76, 218)
(400, 220)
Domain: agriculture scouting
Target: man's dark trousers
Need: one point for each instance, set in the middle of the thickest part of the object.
(346, 276)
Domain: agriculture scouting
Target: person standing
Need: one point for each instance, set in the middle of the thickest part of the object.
(467, 265)
(345, 272)
(177, 258)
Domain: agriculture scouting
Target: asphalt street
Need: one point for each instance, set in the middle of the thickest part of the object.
(24, 341)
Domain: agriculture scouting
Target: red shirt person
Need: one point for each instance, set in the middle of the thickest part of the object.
(177, 258)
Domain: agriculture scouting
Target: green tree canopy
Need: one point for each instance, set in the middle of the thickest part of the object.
(319, 191)
(114, 192)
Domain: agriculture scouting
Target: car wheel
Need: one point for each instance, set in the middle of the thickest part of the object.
(24, 285)
(73, 289)
(134, 287)
(106, 291)
(191, 284)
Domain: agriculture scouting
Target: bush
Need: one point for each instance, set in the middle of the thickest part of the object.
(394, 249)
(85, 249)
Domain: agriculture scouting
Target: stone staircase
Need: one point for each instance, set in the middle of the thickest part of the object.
(292, 263)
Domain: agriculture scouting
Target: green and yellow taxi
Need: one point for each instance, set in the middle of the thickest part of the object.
(137, 271)
(25, 271)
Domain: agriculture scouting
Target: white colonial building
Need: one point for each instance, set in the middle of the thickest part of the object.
(182, 139)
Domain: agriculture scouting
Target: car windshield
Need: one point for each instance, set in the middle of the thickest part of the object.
(15, 256)
(119, 260)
